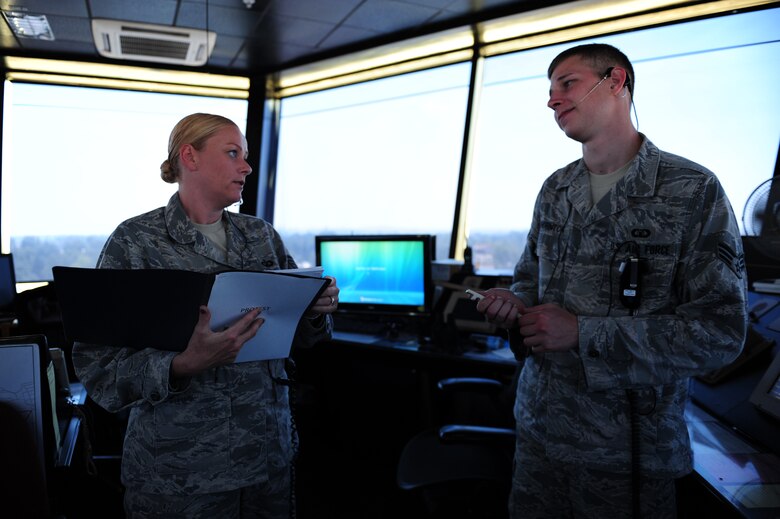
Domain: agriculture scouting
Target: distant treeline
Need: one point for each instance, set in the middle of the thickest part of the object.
(34, 256)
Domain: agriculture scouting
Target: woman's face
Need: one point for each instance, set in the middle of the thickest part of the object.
(221, 167)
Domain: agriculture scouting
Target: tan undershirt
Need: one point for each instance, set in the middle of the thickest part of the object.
(215, 232)
(601, 184)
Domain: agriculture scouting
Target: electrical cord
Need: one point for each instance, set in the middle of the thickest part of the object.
(561, 256)
(633, 399)
(289, 365)
(636, 466)
(291, 383)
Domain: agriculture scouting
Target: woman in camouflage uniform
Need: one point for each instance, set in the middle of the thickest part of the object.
(206, 437)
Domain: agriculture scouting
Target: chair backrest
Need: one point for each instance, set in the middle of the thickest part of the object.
(27, 384)
(7, 283)
(23, 487)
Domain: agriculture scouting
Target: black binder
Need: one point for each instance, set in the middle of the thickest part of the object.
(140, 308)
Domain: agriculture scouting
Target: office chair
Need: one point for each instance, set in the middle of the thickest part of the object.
(23, 482)
(27, 442)
(463, 467)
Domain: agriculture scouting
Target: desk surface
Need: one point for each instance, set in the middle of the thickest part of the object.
(745, 475)
(487, 350)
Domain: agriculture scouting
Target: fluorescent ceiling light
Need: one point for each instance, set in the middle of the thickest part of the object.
(77, 69)
(433, 50)
(590, 18)
(570, 14)
(124, 84)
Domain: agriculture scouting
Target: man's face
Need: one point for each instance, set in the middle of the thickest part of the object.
(577, 96)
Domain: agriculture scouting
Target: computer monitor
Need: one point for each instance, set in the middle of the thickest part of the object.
(380, 275)
(766, 395)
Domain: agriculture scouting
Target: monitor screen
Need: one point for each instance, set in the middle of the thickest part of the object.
(382, 274)
(766, 395)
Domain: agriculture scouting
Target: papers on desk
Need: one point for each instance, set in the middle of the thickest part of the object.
(158, 308)
(735, 469)
(768, 286)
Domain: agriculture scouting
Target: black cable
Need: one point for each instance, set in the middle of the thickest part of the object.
(636, 481)
(561, 255)
(633, 407)
(289, 366)
(636, 467)
(290, 382)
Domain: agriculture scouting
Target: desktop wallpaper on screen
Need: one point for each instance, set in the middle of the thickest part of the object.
(377, 272)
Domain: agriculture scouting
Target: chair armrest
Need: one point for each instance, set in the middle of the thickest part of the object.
(475, 433)
(476, 384)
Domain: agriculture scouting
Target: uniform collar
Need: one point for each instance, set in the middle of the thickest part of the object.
(181, 230)
(639, 182)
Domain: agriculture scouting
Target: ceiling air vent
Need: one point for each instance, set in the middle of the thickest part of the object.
(159, 43)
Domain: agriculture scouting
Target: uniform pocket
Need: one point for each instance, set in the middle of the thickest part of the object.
(657, 279)
(548, 250)
(191, 434)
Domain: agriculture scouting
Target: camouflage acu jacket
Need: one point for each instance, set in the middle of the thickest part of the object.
(692, 316)
(225, 427)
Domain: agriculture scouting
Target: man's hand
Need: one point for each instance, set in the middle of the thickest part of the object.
(549, 327)
(501, 307)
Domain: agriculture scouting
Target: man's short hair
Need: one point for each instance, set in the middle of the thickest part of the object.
(601, 57)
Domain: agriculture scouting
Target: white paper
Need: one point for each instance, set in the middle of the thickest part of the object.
(315, 272)
(283, 300)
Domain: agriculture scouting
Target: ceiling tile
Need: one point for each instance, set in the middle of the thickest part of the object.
(192, 15)
(389, 15)
(335, 11)
(60, 47)
(436, 4)
(233, 21)
(469, 6)
(259, 53)
(63, 7)
(146, 11)
(227, 47)
(71, 29)
(345, 35)
(282, 29)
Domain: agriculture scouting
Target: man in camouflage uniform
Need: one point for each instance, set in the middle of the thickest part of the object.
(631, 282)
(213, 442)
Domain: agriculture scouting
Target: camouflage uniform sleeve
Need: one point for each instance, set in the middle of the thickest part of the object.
(526, 274)
(706, 330)
(117, 378)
